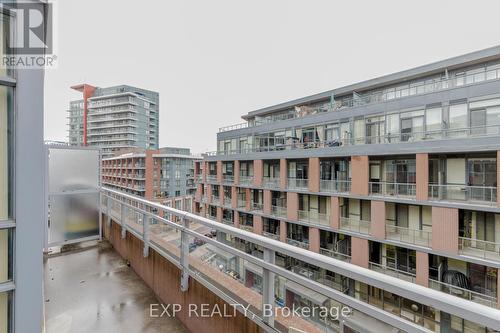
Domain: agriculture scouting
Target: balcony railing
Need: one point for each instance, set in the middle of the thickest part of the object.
(479, 248)
(298, 184)
(204, 199)
(246, 227)
(271, 182)
(271, 235)
(227, 202)
(406, 235)
(278, 211)
(335, 186)
(227, 179)
(403, 275)
(480, 194)
(215, 200)
(393, 189)
(360, 226)
(403, 138)
(211, 178)
(257, 206)
(227, 221)
(242, 203)
(301, 244)
(201, 262)
(335, 254)
(198, 178)
(245, 180)
(473, 296)
(314, 217)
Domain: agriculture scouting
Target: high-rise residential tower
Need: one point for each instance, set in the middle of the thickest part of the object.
(114, 118)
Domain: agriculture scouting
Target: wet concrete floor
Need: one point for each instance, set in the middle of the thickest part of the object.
(92, 289)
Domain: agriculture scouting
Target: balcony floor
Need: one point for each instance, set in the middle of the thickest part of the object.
(93, 290)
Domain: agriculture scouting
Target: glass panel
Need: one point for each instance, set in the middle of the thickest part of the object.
(62, 166)
(5, 301)
(73, 216)
(433, 120)
(5, 255)
(458, 119)
(5, 152)
(4, 40)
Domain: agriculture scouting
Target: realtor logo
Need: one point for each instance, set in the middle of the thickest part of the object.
(30, 29)
(30, 38)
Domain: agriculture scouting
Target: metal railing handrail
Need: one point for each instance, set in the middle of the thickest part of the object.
(476, 312)
(468, 294)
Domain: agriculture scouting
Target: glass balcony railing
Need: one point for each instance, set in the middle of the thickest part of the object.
(298, 184)
(393, 189)
(241, 203)
(403, 138)
(278, 211)
(227, 179)
(227, 202)
(335, 186)
(478, 194)
(227, 221)
(314, 217)
(257, 206)
(301, 244)
(335, 254)
(246, 227)
(245, 180)
(271, 182)
(360, 226)
(473, 296)
(212, 178)
(406, 235)
(403, 275)
(271, 235)
(215, 200)
(479, 248)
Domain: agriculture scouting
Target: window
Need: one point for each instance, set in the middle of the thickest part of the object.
(433, 121)
(5, 153)
(458, 119)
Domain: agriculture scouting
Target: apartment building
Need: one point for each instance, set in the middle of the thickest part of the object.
(398, 174)
(154, 174)
(114, 118)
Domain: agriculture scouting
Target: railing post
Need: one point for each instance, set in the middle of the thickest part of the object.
(123, 213)
(108, 212)
(145, 235)
(268, 289)
(184, 255)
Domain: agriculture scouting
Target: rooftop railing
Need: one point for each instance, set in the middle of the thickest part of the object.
(407, 235)
(416, 88)
(181, 238)
(429, 135)
(478, 194)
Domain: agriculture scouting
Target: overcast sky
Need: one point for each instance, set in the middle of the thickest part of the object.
(213, 61)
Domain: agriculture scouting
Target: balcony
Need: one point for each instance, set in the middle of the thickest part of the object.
(271, 235)
(246, 227)
(227, 202)
(298, 184)
(335, 186)
(473, 296)
(477, 194)
(479, 248)
(228, 179)
(227, 221)
(256, 206)
(271, 182)
(204, 199)
(403, 275)
(242, 203)
(393, 189)
(245, 181)
(278, 211)
(335, 254)
(406, 235)
(211, 178)
(215, 200)
(314, 217)
(359, 226)
(301, 244)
